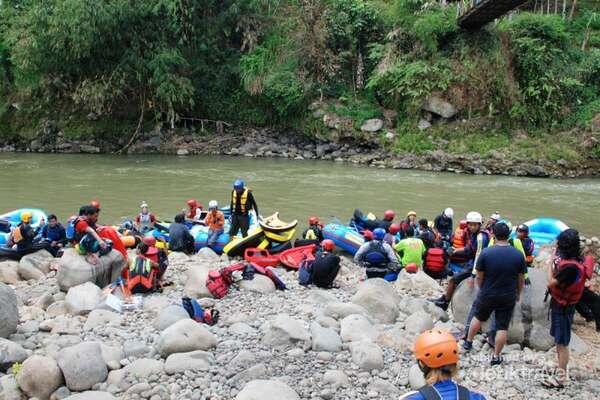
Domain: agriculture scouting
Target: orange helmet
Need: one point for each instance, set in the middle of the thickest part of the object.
(328, 245)
(192, 203)
(394, 228)
(95, 203)
(436, 348)
(313, 220)
(411, 268)
(389, 215)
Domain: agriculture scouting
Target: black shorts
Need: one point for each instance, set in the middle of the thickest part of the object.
(461, 276)
(502, 306)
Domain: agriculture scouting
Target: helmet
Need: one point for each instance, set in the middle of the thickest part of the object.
(26, 216)
(378, 233)
(149, 241)
(127, 225)
(192, 203)
(328, 245)
(313, 220)
(238, 184)
(523, 228)
(389, 215)
(151, 251)
(411, 268)
(411, 213)
(474, 217)
(95, 203)
(213, 205)
(436, 348)
(462, 224)
(448, 212)
(144, 205)
(496, 216)
(367, 234)
(394, 228)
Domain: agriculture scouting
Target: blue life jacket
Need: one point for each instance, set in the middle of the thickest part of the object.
(445, 390)
(376, 255)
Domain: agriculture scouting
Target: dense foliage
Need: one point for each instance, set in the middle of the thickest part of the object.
(261, 62)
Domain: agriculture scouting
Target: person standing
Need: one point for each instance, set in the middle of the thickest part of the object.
(242, 201)
(500, 277)
(567, 277)
(193, 214)
(215, 220)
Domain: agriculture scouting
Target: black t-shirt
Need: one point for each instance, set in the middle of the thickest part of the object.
(501, 266)
(325, 269)
(443, 224)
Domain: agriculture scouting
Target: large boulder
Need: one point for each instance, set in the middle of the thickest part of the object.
(9, 313)
(284, 330)
(10, 353)
(356, 327)
(418, 322)
(193, 361)
(529, 325)
(367, 355)
(9, 273)
(379, 298)
(39, 377)
(260, 284)
(75, 270)
(419, 282)
(325, 339)
(83, 298)
(169, 316)
(195, 284)
(372, 125)
(185, 336)
(83, 366)
(267, 390)
(140, 369)
(39, 260)
(339, 310)
(439, 106)
(102, 318)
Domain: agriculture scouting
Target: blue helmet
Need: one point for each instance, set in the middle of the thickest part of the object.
(238, 184)
(378, 233)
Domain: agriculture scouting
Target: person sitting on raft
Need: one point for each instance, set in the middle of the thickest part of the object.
(426, 234)
(242, 201)
(437, 355)
(180, 238)
(54, 233)
(323, 270)
(194, 214)
(215, 220)
(377, 256)
(442, 225)
(145, 220)
(314, 230)
(23, 234)
(86, 238)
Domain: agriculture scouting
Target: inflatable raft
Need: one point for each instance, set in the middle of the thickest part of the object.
(273, 224)
(11, 219)
(293, 257)
(544, 231)
(345, 237)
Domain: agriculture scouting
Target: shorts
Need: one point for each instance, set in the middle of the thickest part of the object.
(561, 321)
(502, 306)
(436, 274)
(461, 276)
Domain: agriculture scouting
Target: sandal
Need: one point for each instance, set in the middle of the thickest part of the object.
(552, 383)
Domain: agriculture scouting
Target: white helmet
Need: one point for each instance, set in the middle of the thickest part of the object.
(144, 204)
(474, 217)
(448, 212)
(496, 216)
(213, 204)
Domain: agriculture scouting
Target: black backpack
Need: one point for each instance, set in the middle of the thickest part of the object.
(429, 393)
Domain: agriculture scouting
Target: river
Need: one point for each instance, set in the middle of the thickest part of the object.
(60, 184)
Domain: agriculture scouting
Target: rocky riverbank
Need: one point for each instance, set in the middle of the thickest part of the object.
(352, 342)
(367, 149)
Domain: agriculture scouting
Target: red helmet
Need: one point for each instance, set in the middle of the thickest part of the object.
(151, 251)
(313, 220)
(394, 228)
(411, 268)
(192, 203)
(149, 240)
(462, 224)
(367, 234)
(95, 203)
(328, 245)
(389, 215)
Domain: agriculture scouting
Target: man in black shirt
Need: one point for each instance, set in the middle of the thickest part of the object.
(180, 238)
(326, 265)
(500, 276)
(242, 201)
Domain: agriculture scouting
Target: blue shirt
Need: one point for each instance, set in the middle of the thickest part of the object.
(55, 234)
(501, 266)
(447, 390)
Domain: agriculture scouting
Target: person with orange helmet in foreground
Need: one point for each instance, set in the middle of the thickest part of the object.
(436, 352)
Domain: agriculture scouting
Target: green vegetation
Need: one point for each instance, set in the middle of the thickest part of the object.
(263, 62)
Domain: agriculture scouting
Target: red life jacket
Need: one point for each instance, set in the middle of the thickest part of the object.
(218, 282)
(141, 277)
(435, 260)
(566, 296)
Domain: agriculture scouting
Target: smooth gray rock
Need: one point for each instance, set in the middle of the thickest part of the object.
(418, 322)
(372, 125)
(169, 316)
(325, 339)
(75, 270)
(367, 355)
(82, 366)
(39, 260)
(112, 356)
(9, 313)
(355, 328)
(9, 272)
(379, 298)
(284, 330)
(195, 285)
(139, 369)
(10, 353)
(98, 318)
(260, 284)
(185, 336)
(439, 106)
(267, 390)
(192, 361)
(336, 378)
(92, 395)
(9, 388)
(339, 310)
(40, 376)
(83, 298)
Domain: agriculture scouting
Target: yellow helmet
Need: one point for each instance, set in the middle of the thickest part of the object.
(413, 213)
(26, 216)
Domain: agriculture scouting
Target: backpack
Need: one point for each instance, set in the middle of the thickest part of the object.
(429, 393)
(305, 272)
(217, 284)
(70, 231)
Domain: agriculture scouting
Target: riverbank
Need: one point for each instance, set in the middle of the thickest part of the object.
(259, 143)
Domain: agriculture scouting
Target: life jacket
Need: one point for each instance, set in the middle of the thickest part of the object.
(459, 240)
(145, 221)
(570, 295)
(17, 235)
(376, 255)
(430, 393)
(435, 259)
(219, 281)
(243, 200)
(141, 276)
(312, 233)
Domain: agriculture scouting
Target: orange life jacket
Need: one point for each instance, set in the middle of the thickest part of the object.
(459, 239)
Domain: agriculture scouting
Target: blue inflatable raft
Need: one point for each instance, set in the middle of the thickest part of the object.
(345, 237)
(11, 219)
(544, 231)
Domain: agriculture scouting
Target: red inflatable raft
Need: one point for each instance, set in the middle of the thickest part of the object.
(261, 257)
(293, 257)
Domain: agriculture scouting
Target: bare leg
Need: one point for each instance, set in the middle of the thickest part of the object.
(501, 337)
(563, 361)
(473, 329)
